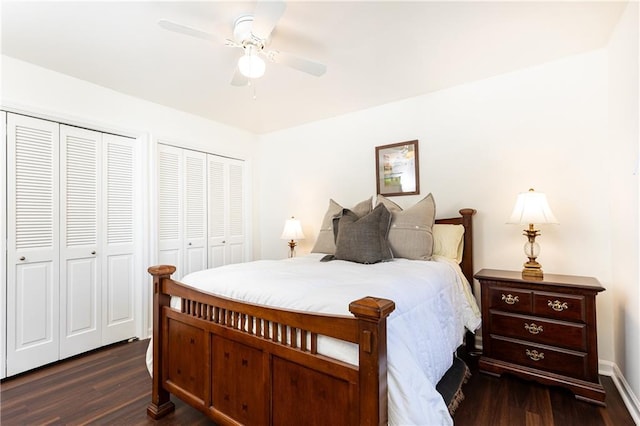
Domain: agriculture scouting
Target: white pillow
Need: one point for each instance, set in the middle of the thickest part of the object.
(448, 241)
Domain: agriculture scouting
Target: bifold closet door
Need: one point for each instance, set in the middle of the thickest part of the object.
(80, 266)
(117, 247)
(226, 210)
(182, 209)
(32, 243)
(97, 255)
(195, 226)
(70, 241)
(170, 208)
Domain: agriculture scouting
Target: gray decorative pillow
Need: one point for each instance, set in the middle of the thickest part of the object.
(411, 232)
(363, 239)
(326, 240)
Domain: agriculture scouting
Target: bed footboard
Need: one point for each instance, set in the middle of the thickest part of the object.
(241, 363)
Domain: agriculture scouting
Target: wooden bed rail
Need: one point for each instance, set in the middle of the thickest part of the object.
(277, 349)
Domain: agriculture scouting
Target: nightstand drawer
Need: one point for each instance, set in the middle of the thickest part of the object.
(537, 330)
(510, 299)
(554, 360)
(560, 306)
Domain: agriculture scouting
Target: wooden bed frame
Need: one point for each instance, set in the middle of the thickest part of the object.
(271, 373)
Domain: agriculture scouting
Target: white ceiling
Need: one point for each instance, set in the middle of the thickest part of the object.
(375, 52)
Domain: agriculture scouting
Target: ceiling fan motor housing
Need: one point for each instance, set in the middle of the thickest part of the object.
(242, 33)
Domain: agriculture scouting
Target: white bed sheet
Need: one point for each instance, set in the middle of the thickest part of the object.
(432, 310)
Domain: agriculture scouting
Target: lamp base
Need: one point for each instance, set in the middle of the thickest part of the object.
(532, 271)
(292, 249)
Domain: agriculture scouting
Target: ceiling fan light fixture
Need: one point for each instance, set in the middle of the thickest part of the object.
(250, 64)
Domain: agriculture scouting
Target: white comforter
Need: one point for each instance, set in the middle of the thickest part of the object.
(432, 310)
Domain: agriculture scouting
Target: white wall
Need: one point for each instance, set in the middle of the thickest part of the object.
(623, 50)
(480, 144)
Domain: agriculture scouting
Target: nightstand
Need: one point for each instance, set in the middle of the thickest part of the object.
(542, 330)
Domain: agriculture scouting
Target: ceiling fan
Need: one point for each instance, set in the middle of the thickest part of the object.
(252, 34)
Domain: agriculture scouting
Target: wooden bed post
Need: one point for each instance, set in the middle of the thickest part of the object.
(467, 259)
(160, 404)
(372, 314)
(467, 268)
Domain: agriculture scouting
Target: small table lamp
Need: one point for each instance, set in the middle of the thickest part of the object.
(532, 208)
(292, 231)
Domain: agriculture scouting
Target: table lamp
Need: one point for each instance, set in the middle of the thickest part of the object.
(532, 208)
(292, 231)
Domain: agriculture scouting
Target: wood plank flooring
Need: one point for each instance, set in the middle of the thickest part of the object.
(111, 386)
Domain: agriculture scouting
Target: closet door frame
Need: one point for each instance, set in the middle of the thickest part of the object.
(3, 246)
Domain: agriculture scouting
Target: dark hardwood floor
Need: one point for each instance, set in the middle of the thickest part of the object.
(111, 386)
(508, 401)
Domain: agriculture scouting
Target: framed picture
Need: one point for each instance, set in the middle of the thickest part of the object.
(397, 171)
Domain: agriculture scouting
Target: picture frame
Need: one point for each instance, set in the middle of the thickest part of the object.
(397, 169)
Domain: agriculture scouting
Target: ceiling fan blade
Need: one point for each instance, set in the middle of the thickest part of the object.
(238, 79)
(296, 62)
(184, 29)
(266, 16)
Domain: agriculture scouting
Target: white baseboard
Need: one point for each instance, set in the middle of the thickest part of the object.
(607, 368)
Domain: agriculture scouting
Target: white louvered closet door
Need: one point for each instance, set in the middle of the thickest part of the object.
(226, 234)
(236, 231)
(170, 208)
(195, 223)
(217, 211)
(182, 209)
(80, 261)
(32, 243)
(118, 246)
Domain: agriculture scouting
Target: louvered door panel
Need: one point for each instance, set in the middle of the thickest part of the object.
(118, 250)
(236, 231)
(32, 243)
(195, 225)
(226, 186)
(217, 210)
(170, 239)
(80, 284)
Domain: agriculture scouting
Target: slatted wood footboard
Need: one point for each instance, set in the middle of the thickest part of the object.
(241, 363)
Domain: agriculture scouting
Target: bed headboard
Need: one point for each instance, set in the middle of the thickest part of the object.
(467, 255)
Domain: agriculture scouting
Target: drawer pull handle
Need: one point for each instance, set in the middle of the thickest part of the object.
(557, 306)
(535, 355)
(510, 299)
(533, 328)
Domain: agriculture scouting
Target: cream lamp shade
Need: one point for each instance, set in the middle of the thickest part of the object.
(292, 231)
(532, 208)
